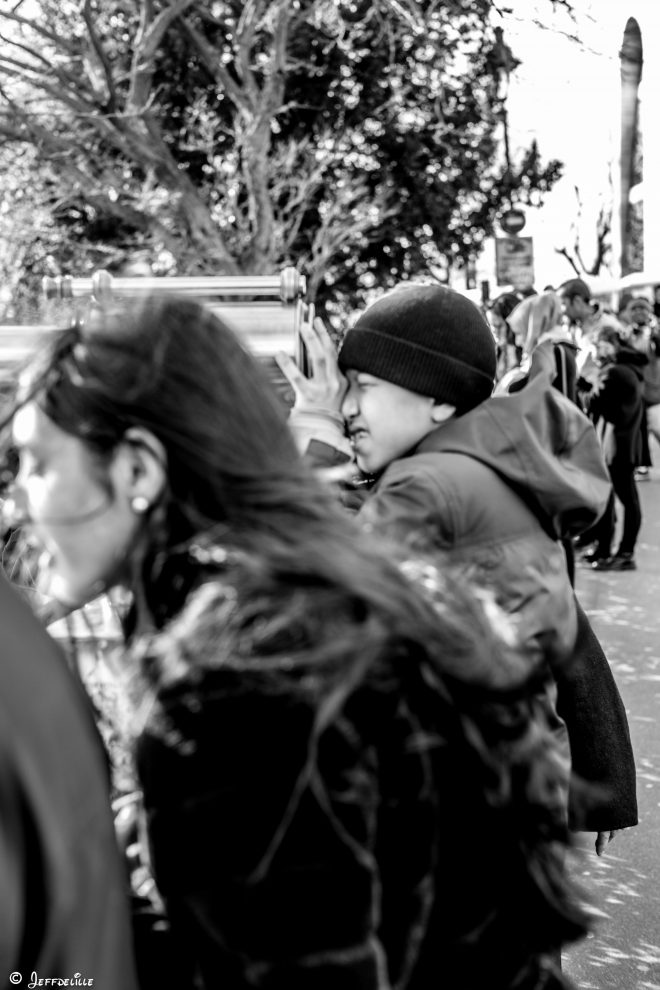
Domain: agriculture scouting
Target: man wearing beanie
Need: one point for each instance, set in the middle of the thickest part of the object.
(486, 485)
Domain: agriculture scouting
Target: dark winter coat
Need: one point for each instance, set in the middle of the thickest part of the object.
(490, 492)
(474, 491)
(295, 857)
(617, 399)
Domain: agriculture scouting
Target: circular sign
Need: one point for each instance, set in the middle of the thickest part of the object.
(513, 221)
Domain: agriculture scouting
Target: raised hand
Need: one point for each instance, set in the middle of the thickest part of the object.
(323, 389)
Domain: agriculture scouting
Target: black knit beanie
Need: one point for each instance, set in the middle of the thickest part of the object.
(428, 339)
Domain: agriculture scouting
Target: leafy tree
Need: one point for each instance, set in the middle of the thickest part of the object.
(357, 139)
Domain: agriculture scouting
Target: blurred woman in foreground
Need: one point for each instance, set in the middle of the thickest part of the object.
(345, 784)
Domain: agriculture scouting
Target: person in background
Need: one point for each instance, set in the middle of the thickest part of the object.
(641, 332)
(347, 778)
(615, 403)
(548, 347)
(497, 313)
(63, 889)
(586, 319)
(545, 344)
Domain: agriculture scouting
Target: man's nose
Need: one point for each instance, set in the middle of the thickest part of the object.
(349, 405)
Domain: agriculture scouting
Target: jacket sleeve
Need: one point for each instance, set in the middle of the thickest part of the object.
(603, 796)
(323, 427)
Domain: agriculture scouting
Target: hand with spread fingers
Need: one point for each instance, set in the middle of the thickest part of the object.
(322, 390)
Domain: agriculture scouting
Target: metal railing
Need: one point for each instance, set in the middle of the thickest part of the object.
(266, 311)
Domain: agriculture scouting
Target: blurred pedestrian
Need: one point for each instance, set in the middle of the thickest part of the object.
(641, 332)
(615, 404)
(656, 301)
(545, 342)
(586, 318)
(63, 890)
(322, 750)
(509, 354)
(548, 348)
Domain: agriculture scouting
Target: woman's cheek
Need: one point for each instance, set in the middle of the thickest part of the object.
(42, 499)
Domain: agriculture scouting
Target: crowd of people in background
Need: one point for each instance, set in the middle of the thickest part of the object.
(608, 364)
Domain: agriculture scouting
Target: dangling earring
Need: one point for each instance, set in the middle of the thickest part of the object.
(139, 504)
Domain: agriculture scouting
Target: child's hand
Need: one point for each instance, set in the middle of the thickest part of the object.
(324, 388)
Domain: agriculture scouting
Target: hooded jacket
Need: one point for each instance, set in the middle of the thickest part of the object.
(492, 492)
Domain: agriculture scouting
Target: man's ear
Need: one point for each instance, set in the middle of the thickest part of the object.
(442, 411)
(139, 468)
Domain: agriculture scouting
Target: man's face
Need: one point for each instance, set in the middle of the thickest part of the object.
(384, 421)
(575, 308)
(638, 313)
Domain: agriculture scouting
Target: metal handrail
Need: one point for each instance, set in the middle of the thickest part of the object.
(288, 286)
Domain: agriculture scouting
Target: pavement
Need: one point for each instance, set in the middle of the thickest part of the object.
(624, 885)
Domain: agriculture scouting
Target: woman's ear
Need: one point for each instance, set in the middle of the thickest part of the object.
(442, 411)
(139, 468)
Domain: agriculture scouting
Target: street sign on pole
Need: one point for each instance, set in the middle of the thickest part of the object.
(513, 221)
(514, 261)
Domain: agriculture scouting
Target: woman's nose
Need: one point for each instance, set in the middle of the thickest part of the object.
(14, 511)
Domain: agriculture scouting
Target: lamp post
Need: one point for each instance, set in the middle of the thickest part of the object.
(631, 61)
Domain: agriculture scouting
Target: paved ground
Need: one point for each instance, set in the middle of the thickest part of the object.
(624, 953)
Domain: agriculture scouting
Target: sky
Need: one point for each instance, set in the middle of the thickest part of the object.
(566, 94)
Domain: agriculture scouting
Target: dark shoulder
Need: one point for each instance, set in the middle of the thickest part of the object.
(256, 625)
(622, 375)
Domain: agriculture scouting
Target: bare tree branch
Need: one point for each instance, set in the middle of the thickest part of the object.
(14, 43)
(215, 68)
(36, 26)
(566, 254)
(101, 56)
(152, 30)
(575, 255)
(245, 33)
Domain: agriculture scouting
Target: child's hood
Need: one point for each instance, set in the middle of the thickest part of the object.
(540, 443)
